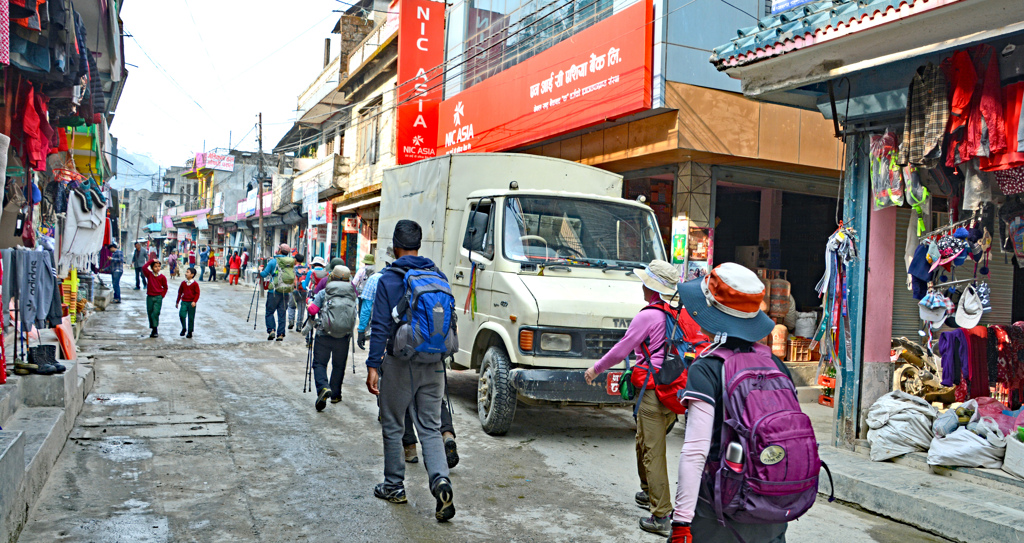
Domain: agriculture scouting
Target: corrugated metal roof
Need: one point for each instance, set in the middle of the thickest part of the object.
(814, 23)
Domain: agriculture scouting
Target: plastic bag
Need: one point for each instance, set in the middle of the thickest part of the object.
(965, 448)
(886, 175)
(993, 409)
(945, 424)
(899, 424)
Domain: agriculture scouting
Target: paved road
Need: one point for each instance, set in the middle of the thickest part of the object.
(212, 439)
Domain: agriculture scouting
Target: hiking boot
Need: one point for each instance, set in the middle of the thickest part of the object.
(393, 494)
(410, 454)
(280, 338)
(643, 500)
(154, 333)
(321, 400)
(451, 452)
(657, 525)
(271, 336)
(442, 491)
(336, 399)
(183, 332)
(48, 355)
(291, 325)
(188, 335)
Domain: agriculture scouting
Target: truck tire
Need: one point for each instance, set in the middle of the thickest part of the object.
(496, 397)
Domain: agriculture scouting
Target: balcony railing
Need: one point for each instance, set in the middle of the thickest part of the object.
(362, 52)
(329, 178)
(326, 82)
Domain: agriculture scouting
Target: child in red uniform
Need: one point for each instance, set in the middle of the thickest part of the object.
(156, 289)
(188, 292)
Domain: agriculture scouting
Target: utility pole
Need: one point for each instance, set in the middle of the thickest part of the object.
(259, 185)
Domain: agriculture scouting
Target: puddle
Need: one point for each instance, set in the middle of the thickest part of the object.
(119, 398)
(123, 449)
(133, 523)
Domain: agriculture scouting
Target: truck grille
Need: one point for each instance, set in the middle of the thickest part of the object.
(597, 344)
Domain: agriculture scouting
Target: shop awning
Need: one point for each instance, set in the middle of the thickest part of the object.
(357, 205)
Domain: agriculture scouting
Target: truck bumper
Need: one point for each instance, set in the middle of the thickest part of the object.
(563, 386)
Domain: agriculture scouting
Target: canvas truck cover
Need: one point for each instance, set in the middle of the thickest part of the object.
(433, 192)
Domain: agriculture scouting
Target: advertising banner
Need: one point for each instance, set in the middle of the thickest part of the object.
(778, 6)
(250, 203)
(218, 203)
(319, 214)
(601, 73)
(201, 222)
(240, 208)
(168, 221)
(214, 162)
(420, 55)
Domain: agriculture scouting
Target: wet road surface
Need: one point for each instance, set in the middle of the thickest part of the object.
(212, 439)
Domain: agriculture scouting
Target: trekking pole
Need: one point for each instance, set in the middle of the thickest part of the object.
(251, 302)
(259, 295)
(353, 341)
(309, 372)
(305, 376)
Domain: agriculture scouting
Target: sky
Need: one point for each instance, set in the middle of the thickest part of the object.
(201, 70)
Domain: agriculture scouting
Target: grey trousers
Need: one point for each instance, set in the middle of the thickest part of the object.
(421, 386)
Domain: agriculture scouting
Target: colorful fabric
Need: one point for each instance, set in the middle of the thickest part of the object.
(927, 115)
(1011, 181)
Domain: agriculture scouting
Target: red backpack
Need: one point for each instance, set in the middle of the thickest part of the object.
(683, 341)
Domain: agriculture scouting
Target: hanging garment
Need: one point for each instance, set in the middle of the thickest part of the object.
(977, 361)
(35, 287)
(1009, 157)
(953, 348)
(977, 129)
(977, 185)
(83, 234)
(5, 52)
(926, 119)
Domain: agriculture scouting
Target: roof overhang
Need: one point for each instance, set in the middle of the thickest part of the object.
(870, 42)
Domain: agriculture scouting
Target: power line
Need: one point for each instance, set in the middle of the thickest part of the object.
(202, 42)
(171, 79)
(287, 43)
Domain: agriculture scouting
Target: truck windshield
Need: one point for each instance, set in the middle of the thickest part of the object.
(579, 232)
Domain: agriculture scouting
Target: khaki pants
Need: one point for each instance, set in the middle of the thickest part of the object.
(652, 423)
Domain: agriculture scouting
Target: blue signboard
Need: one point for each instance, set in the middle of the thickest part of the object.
(778, 6)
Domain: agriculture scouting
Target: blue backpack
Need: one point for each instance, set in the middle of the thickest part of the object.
(424, 319)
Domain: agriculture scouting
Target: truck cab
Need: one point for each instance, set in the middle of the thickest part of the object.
(543, 280)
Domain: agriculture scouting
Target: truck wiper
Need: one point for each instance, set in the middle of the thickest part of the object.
(628, 269)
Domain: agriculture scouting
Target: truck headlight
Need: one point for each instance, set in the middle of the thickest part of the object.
(555, 342)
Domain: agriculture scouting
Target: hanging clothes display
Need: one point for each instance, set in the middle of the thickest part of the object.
(83, 232)
(926, 119)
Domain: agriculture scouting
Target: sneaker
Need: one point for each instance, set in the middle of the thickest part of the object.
(643, 500)
(393, 494)
(336, 399)
(271, 336)
(451, 452)
(153, 333)
(291, 325)
(321, 400)
(410, 454)
(442, 491)
(280, 338)
(188, 335)
(117, 301)
(657, 525)
(183, 331)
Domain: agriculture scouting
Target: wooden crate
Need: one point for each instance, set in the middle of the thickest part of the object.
(799, 350)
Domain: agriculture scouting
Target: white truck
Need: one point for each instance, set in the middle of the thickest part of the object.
(540, 254)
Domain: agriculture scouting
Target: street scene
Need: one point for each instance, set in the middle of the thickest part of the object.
(704, 271)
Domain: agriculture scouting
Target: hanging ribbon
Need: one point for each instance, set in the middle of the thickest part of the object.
(470, 306)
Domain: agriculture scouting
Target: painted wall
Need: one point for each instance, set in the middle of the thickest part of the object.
(693, 29)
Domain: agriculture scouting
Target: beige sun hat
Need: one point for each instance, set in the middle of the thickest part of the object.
(661, 277)
(341, 272)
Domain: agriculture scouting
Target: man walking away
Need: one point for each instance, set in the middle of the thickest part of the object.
(297, 300)
(646, 338)
(323, 281)
(139, 263)
(116, 270)
(364, 273)
(335, 311)
(409, 374)
(244, 261)
(212, 263)
(188, 292)
(192, 256)
(204, 260)
(155, 292)
(281, 270)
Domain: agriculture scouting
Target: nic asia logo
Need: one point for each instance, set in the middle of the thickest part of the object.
(461, 135)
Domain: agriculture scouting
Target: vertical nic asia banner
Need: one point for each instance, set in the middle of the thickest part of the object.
(601, 73)
(420, 55)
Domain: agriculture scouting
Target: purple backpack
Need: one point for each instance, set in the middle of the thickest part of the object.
(776, 478)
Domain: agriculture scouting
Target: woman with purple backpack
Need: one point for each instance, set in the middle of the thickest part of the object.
(750, 486)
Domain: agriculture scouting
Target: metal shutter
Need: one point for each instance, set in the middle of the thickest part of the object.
(905, 320)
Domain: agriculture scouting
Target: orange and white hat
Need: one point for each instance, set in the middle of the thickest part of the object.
(727, 302)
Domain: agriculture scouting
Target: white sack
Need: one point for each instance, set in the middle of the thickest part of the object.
(899, 424)
(965, 448)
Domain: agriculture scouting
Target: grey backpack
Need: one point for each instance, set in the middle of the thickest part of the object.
(337, 317)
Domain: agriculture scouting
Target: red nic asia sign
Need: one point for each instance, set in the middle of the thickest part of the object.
(600, 73)
(420, 55)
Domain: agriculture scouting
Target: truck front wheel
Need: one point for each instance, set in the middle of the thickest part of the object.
(496, 397)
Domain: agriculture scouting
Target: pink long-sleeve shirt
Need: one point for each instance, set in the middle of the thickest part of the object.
(700, 422)
(647, 325)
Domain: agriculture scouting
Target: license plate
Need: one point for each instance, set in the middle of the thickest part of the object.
(611, 385)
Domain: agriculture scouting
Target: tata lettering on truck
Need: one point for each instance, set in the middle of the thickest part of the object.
(540, 254)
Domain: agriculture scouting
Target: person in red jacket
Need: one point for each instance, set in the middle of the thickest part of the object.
(212, 264)
(188, 292)
(234, 268)
(156, 289)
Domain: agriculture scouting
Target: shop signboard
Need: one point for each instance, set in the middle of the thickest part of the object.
(215, 162)
(250, 203)
(601, 73)
(241, 208)
(420, 56)
(778, 6)
(350, 225)
(679, 230)
(201, 222)
(321, 233)
(218, 203)
(319, 214)
(168, 221)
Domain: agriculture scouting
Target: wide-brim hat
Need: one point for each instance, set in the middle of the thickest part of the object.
(728, 301)
(318, 261)
(970, 308)
(661, 277)
(368, 259)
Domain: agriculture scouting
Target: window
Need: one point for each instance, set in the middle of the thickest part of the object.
(329, 147)
(369, 134)
(479, 236)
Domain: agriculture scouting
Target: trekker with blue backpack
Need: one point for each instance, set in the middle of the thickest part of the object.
(750, 463)
(413, 332)
(660, 335)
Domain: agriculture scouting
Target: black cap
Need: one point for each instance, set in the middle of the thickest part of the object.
(407, 235)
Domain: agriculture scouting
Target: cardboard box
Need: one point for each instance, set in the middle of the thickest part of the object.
(1014, 461)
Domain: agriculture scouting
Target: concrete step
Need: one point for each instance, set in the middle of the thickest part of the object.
(43, 431)
(10, 398)
(12, 473)
(954, 508)
(808, 394)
